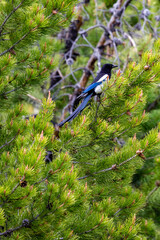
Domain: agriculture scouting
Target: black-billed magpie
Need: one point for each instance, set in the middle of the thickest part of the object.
(95, 88)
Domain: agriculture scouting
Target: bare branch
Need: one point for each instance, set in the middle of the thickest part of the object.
(157, 183)
(63, 78)
(34, 98)
(94, 57)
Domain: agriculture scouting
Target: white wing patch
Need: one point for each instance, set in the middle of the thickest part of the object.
(98, 89)
(103, 78)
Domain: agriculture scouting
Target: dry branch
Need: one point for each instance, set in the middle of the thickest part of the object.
(114, 22)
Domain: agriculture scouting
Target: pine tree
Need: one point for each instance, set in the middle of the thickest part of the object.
(104, 162)
(26, 47)
(48, 199)
(85, 191)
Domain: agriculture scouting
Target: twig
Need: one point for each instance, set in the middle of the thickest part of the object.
(24, 36)
(81, 68)
(72, 47)
(13, 90)
(6, 19)
(92, 27)
(132, 41)
(62, 95)
(87, 15)
(153, 190)
(9, 49)
(41, 180)
(96, 8)
(67, 86)
(64, 111)
(153, 157)
(34, 98)
(97, 110)
(84, 37)
(11, 230)
(72, 73)
(118, 211)
(113, 167)
(82, 163)
(115, 49)
(153, 105)
(90, 230)
(7, 143)
(25, 223)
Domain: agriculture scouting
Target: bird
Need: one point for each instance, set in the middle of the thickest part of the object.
(95, 88)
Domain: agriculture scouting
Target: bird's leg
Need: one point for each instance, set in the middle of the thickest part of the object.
(99, 99)
(99, 102)
(97, 111)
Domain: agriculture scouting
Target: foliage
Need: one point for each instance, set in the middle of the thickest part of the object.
(111, 35)
(26, 52)
(88, 188)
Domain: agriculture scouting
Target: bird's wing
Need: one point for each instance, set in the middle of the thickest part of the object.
(100, 77)
(89, 88)
(97, 81)
(92, 86)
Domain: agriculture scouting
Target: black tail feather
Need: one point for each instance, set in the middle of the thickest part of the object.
(77, 111)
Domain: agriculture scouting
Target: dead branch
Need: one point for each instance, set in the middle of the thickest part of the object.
(114, 22)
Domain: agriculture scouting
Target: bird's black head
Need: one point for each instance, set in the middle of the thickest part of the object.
(108, 67)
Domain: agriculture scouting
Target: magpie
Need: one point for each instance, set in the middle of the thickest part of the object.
(95, 88)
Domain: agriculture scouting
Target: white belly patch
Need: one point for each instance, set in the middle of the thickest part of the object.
(98, 89)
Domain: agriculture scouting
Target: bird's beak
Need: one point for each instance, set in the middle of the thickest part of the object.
(114, 66)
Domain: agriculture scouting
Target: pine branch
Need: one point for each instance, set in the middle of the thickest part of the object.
(25, 223)
(90, 230)
(157, 183)
(24, 36)
(13, 90)
(154, 104)
(113, 167)
(11, 13)
(10, 231)
(13, 190)
(9, 49)
(7, 143)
